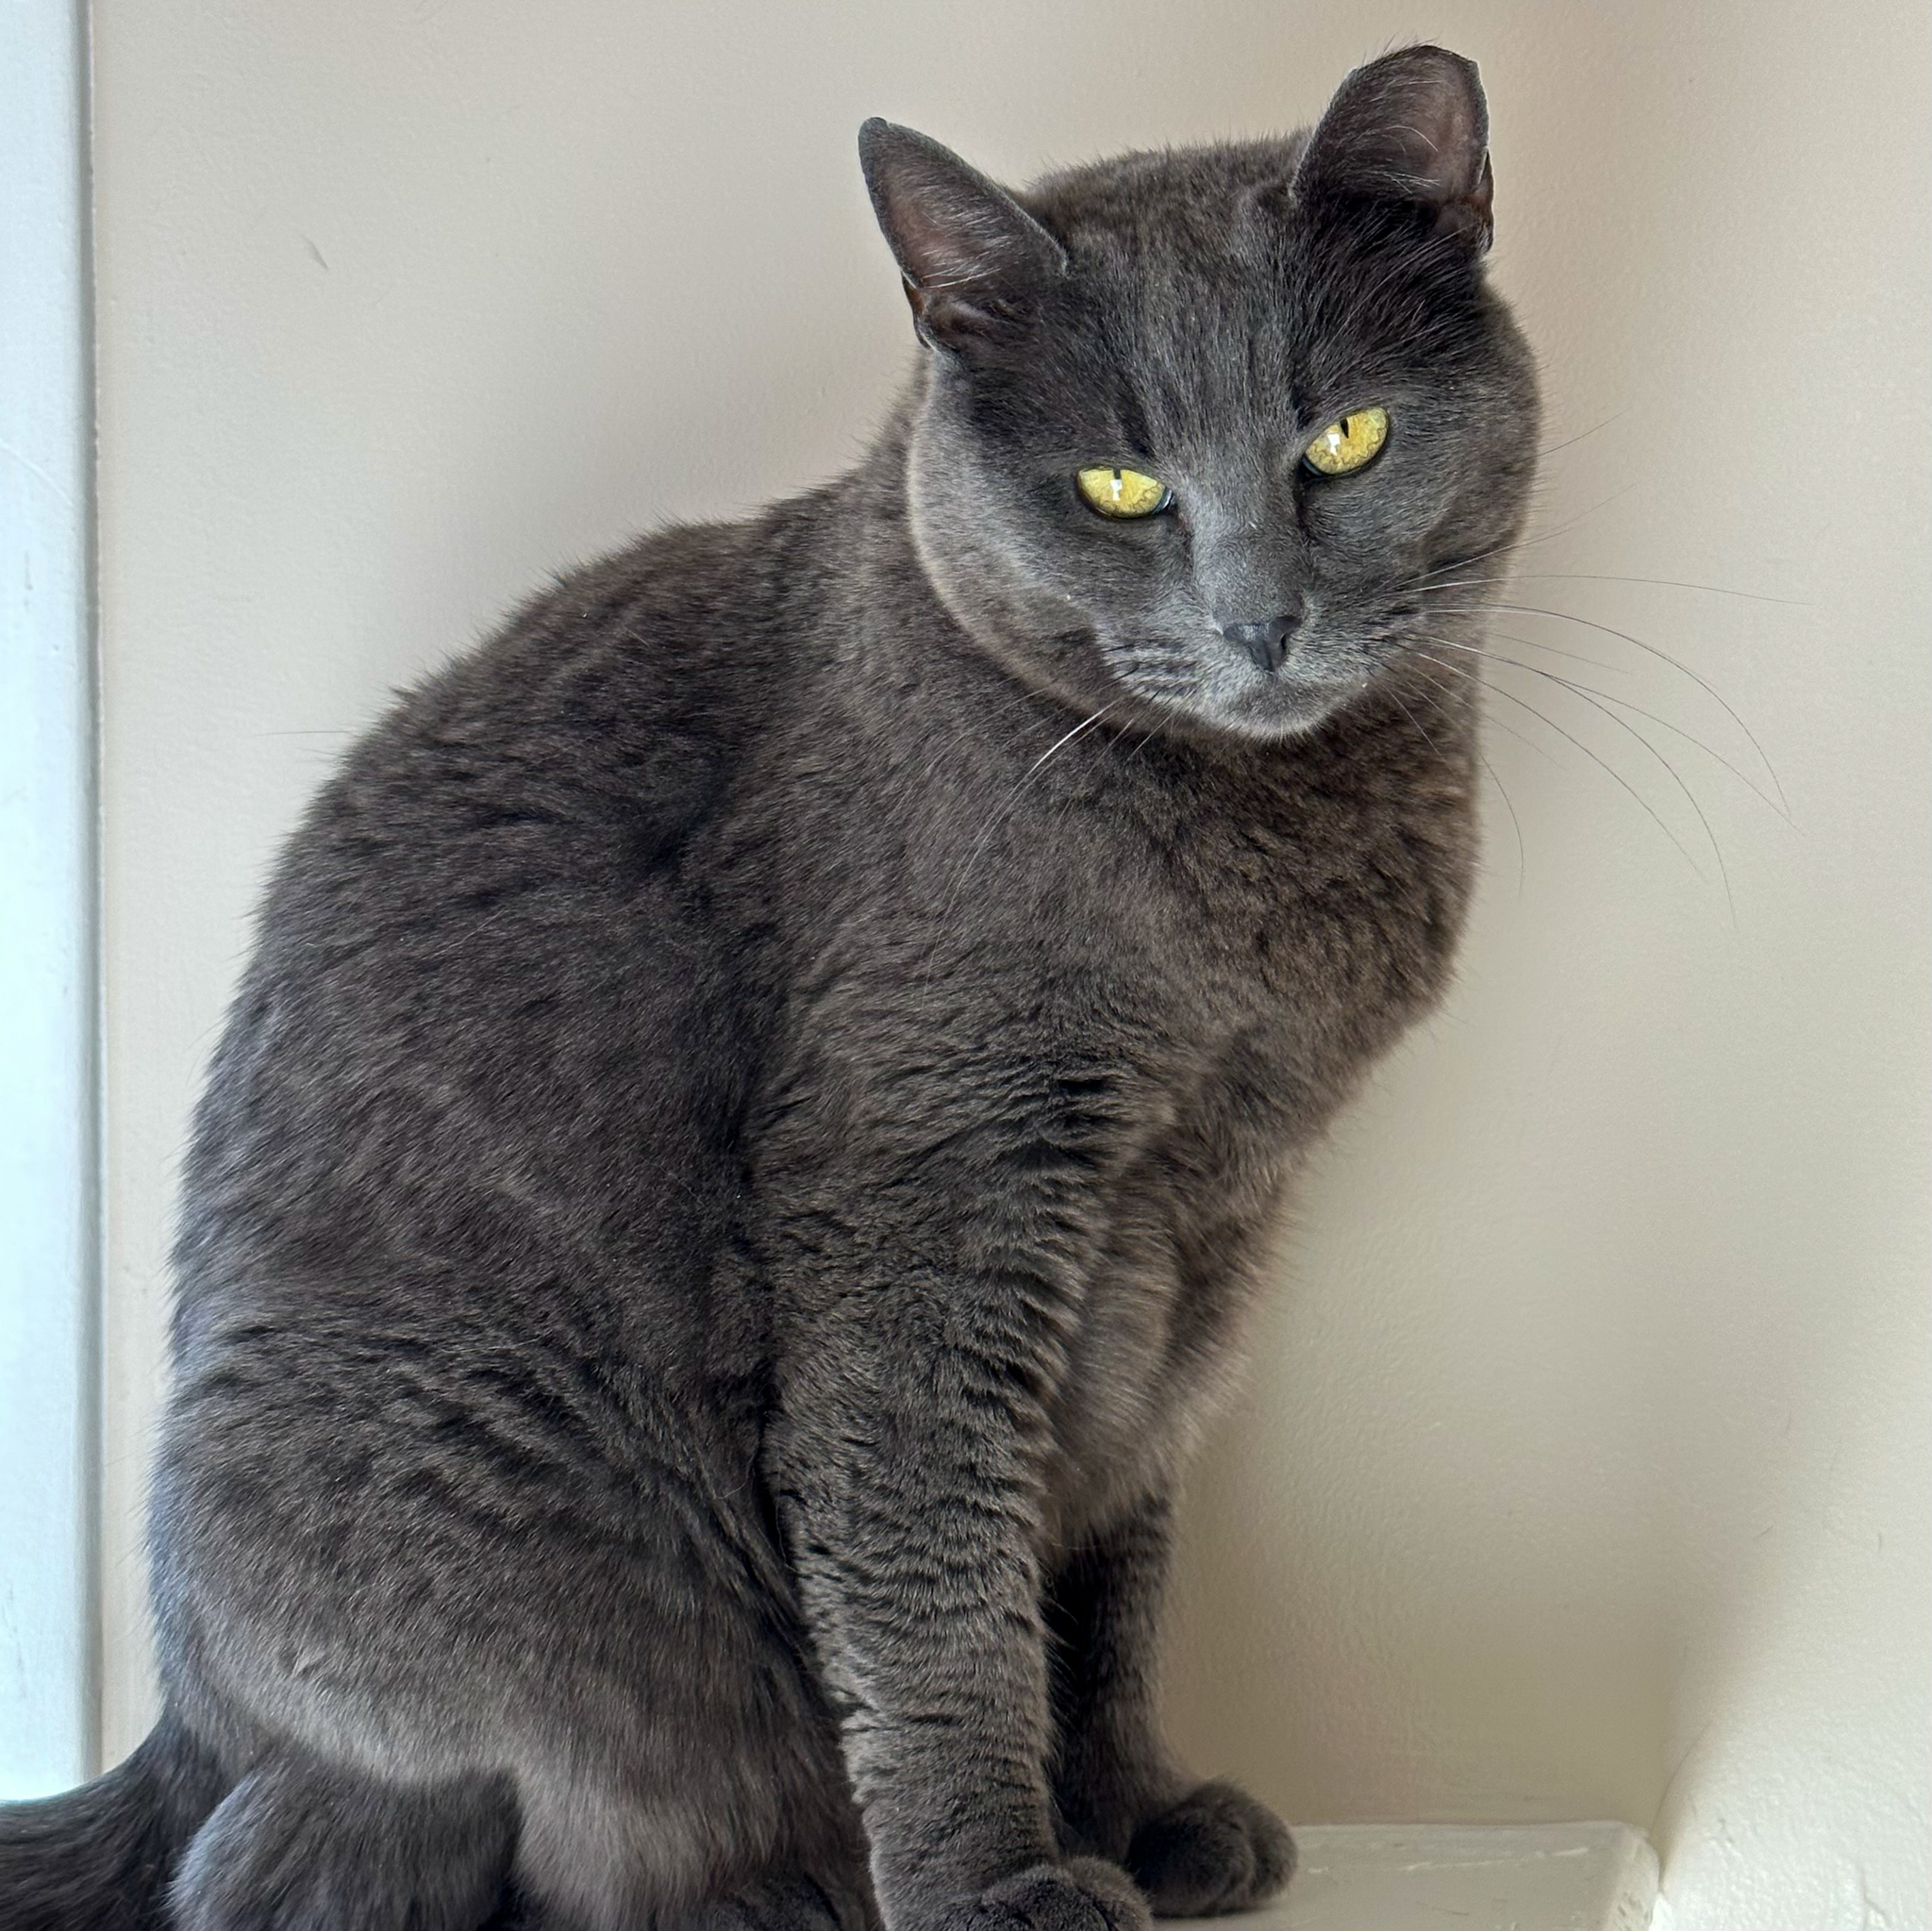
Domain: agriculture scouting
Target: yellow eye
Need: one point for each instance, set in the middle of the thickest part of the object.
(1349, 444)
(1122, 492)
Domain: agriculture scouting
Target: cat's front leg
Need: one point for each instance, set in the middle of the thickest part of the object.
(905, 1471)
(923, 1225)
(1194, 1848)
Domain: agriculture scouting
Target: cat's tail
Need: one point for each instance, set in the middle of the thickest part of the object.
(99, 1859)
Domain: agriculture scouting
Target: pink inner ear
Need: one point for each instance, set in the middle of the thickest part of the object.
(1445, 134)
(947, 223)
(932, 239)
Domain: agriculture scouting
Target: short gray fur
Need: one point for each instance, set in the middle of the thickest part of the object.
(738, 1162)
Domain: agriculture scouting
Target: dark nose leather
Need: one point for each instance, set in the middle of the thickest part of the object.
(1265, 638)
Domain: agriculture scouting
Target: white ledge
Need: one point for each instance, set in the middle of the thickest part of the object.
(1465, 1877)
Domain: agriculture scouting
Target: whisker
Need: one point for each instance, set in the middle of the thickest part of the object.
(1582, 517)
(1460, 563)
(1572, 441)
(1067, 738)
(1781, 804)
(1437, 704)
(1664, 656)
(1515, 825)
(938, 750)
(1434, 748)
(992, 825)
(1715, 589)
(1611, 697)
(1644, 804)
(1623, 724)
(1575, 657)
(1542, 751)
(1511, 543)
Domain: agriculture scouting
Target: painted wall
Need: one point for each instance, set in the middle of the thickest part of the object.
(1584, 1469)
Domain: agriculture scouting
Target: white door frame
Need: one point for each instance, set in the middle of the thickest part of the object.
(49, 1060)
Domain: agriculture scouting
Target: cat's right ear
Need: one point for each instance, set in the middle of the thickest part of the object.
(1410, 128)
(972, 258)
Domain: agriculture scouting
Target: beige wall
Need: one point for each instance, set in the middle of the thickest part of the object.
(1585, 1467)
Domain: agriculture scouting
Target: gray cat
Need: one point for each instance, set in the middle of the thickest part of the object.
(736, 1166)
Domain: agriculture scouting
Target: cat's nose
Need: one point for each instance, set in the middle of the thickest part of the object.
(1265, 638)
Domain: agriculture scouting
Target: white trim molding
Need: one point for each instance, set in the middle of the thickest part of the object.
(49, 1132)
(1466, 1877)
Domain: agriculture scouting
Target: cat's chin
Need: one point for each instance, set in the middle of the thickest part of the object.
(1268, 710)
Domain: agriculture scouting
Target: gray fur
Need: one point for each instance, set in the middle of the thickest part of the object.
(735, 1167)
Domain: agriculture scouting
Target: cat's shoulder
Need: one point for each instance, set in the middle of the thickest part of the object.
(678, 637)
(664, 610)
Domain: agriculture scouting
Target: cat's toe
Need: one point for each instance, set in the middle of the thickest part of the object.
(1079, 1894)
(1217, 1850)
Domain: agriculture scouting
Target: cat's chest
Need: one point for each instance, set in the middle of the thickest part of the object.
(1179, 1253)
(1306, 931)
(1279, 969)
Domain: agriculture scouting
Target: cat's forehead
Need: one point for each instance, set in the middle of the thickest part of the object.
(1186, 199)
(1181, 270)
(1199, 291)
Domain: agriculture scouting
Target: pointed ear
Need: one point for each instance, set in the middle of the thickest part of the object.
(1411, 127)
(971, 255)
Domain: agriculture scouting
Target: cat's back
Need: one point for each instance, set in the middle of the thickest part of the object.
(466, 1159)
(503, 968)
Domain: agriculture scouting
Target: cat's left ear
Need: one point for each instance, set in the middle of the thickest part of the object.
(1411, 127)
(972, 257)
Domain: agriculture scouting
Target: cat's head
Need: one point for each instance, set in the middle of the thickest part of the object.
(1197, 424)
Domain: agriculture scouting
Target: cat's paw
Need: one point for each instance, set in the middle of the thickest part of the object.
(1217, 1850)
(1078, 1894)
